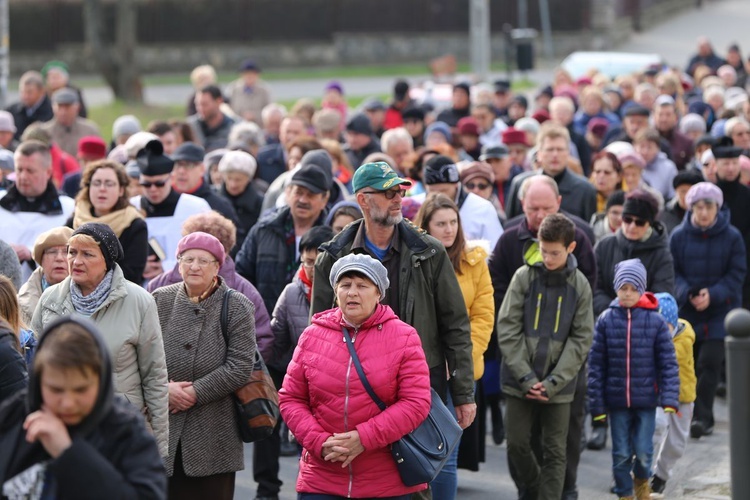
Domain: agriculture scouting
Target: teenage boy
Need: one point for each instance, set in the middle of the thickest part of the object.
(544, 340)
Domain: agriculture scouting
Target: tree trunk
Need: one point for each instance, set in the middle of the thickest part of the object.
(116, 63)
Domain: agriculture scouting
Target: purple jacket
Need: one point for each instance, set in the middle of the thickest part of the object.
(263, 335)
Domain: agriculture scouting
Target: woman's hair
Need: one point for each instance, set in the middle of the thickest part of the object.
(305, 143)
(182, 130)
(83, 239)
(433, 203)
(69, 346)
(349, 210)
(9, 308)
(214, 224)
(122, 180)
(337, 153)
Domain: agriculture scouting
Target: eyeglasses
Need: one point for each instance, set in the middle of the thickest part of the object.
(159, 184)
(189, 261)
(55, 251)
(106, 184)
(627, 219)
(308, 264)
(389, 195)
(480, 186)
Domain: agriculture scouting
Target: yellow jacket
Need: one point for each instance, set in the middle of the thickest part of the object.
(476, 286)
(683, 340)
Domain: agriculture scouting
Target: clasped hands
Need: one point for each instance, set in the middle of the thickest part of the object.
(538, 392)
(182, 396)
(701, 300)
(342, 447)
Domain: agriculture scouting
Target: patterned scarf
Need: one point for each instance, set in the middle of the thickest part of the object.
(306, 282)
(90, 303)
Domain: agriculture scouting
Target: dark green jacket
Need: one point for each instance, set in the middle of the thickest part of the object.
(430, 300)
(545, 328)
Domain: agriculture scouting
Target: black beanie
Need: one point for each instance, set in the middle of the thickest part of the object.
(641, 204)
(615, 199)
(106, 239)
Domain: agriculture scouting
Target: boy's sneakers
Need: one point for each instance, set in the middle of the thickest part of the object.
(657, 487)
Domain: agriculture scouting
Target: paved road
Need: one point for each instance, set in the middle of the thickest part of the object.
(703, 473)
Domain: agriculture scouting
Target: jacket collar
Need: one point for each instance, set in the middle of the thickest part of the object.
(48, 203)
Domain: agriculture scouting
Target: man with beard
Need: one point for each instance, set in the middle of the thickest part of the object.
(210, 125)
(736, 195)
(423, 287)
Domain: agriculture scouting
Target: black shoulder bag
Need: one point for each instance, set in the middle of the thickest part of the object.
(421, 454)
(257, 402)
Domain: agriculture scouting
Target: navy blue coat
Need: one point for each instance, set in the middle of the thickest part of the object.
(632, 363)
(712, 259)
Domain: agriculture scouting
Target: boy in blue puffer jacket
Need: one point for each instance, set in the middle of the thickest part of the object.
(632, 370)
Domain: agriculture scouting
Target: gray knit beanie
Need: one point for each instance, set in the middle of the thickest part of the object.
(631, 271)
(363, 264)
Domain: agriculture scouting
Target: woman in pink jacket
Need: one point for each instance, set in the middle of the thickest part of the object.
(346, 438)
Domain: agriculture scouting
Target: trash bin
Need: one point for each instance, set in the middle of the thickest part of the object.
(523, 40)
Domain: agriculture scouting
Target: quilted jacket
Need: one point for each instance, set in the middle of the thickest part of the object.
(713, 259)
(632, 362)
(322, 394)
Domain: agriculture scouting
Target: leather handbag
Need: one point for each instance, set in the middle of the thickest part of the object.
(421, 454)
(257, 402)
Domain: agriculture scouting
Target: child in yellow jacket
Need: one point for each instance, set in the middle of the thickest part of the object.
(672, 430)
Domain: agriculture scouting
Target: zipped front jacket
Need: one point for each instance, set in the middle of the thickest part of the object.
(322, 395)
(544, 328)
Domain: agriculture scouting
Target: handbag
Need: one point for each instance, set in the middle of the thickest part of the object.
(257, 402)
(421, 454)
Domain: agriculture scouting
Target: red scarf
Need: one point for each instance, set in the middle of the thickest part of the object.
(306, 281)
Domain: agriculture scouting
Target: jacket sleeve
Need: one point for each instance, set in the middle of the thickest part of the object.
(152, 367)
(454, 330)
(667, 369)
(238, 364)
(681, 284)
(578, 344)
(13, 375)
(282, 337)
(588, 203)
(510, 334)
(663, 272)
(584, 253)
(139, 475)
(597, 379)
(245, 261)
(513, 203)
(602, 290)
(499, 271)
(263, 334)
(729, 287)
(134, 241)
(294, 402)
(482, 318)
(412, 404)
(322, 293)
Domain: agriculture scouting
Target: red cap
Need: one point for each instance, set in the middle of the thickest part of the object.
(92, 147)
(513, 136)
(468, 126)
(541, 115)
(584, 80)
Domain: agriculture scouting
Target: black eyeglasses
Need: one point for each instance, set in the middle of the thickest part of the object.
(159, 184)
(480, 186)
(627, 219)
(389, 195)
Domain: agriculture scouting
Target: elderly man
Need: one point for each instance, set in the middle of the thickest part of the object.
(33, 106)
(423, 288)
(398, 144)
(271, 118)
(248, 95)
(540, 197)
(67, 127)
(31, 206)
(165, 208)
(272, 158)
(666, 122)
(705, 57)
(209, 123)
(739, 130)
(562, 111)
(189, 176)
(578, 194)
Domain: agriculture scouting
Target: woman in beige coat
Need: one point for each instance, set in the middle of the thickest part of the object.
(124, 312)
(205, 449)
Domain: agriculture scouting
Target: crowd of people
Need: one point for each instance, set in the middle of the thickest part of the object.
(542, 257)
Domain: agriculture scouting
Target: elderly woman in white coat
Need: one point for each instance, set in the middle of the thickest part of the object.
(124, 312)
(205, 449)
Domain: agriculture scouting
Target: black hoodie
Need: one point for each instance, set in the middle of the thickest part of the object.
(112, 455)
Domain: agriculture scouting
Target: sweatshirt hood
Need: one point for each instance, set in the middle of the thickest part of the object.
(106, 390)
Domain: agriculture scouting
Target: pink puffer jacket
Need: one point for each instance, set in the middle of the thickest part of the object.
(322, 394)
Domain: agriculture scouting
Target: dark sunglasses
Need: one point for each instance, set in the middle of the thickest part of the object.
(159, 184)
(471, 185)
(389, 195)
(627, 219)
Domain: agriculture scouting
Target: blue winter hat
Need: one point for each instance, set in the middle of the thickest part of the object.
(441, 127)
(667, 308)
(631, 271)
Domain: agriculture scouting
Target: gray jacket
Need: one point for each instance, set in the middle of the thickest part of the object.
(196, 352)
(130, 326)
(290, 317)
(28, 295)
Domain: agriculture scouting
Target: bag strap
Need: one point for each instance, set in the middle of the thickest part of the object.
(361, 372)
(224, 318)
